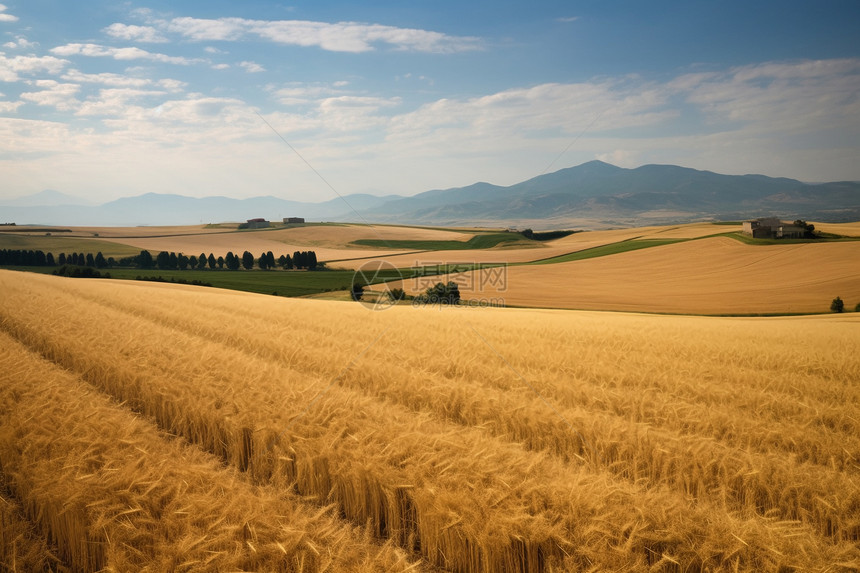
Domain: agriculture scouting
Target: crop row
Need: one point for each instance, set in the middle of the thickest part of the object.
(466, 501)
(109, 491)
(726, 471)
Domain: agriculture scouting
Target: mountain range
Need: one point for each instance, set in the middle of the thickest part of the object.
(594, 194)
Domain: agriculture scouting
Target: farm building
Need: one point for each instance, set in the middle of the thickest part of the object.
(772, 228)
(294, 220)
(257, 223)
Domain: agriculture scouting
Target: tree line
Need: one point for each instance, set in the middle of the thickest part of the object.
(164, 260)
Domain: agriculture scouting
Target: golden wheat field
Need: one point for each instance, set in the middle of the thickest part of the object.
(178, 428)
(714, 275)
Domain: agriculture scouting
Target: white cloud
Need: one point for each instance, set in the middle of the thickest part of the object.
(567, 19)
(99, 51)
(6, 17)
(774, 98)
(115, 102)
(252, 67)
(796, 119)
(206, 29)
(134, 33)
(10, 68)
(337, 37)
(20, 43)
(220, 66)
(107, 79)
(53, 94)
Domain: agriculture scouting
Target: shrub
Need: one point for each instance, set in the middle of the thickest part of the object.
(837, 305)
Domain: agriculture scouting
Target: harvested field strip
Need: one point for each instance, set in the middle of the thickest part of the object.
(684, 457)
(113, 493)
(471, 503)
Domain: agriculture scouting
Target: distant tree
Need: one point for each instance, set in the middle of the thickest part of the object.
(837, 305)
(82, 260)
(288, 263)
(101, 262)
(212, 261)
(312, 260)
(91, 261)
(441, 293)
(61, 260)
(809, 229)
(232, 261)
(39, 259)
(220, 262)
(144, 260)
(162, 260)
(247, 260)
(111, 262)
(192, 262)
(263, 262)
(396, 294)
(282, 262)
(298, 260)
(857, 308)
(270, 260)
(182, 261)
(49, 260)
(356, 291)
(174, 261)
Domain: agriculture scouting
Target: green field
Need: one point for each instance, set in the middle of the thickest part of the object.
(822, 238)
(604, 250)
(57, 245)
(282, 283)
(481, 241)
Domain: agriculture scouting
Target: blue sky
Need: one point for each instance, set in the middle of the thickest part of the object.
(104, 99)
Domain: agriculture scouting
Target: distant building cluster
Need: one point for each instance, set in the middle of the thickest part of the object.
(773, 228)
(259, 223)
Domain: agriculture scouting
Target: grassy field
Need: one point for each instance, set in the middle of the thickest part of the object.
(479, 241)
(462, 439)
(282, 283)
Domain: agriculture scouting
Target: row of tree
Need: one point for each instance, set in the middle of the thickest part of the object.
(164, 260)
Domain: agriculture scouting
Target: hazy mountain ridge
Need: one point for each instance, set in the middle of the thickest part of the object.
(595, 191)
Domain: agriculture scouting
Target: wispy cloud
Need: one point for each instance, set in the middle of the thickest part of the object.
(252, 67)
(134, 33)
(567, 19)
(99, 51)
(337, 37)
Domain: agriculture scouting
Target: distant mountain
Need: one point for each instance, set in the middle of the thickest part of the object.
(603, 193)
(597, 193)
(45, 198)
